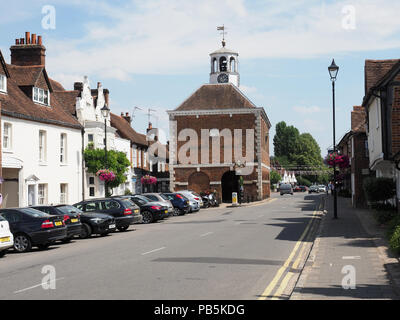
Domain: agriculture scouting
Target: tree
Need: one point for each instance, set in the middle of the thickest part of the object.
(116, 162)
(285, 140)
(275, 177)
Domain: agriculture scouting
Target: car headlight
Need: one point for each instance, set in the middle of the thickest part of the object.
(97, 220)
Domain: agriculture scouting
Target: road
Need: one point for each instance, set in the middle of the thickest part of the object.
(220, 253)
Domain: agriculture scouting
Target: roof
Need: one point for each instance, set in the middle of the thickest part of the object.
(125, 130)
(4, 64)
(28, 75)
(67, 99)
(216, 97)
(18, 105)
(224, 50)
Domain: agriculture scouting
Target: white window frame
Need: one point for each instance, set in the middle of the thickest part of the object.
(144, 158)
(40, 96)
(9, 136)
(42, 146)
(42, 194)
(139, 157)
(63, 193)
(134, 157)
(3, 83)
(63, 148)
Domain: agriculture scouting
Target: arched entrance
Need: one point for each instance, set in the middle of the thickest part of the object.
(199, 182)
(229, 184)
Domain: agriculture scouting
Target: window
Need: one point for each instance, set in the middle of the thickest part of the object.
(139, 158)
(3, 83)
(42, 146)
(91, 191)
(63, 193)
(7, 136)
(41, 96)
(42, 193)
(109, 205)
(92, 206)
(90, 138)
(377, 113)
(223, 64)
(134, 158)
(91, 180)
(63, 148)
(144, 158)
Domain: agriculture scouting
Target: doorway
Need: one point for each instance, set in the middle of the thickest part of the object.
(229, 184)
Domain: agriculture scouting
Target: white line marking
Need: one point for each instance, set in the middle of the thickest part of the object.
(38, 285)
(153, 251)
(206, 234)
(351, 258)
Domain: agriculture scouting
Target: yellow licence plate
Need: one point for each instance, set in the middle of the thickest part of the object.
(137, 211)
(5, 239)
(58, 223)
(166, 211)
(74, 220)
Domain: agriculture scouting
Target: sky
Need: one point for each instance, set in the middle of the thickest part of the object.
(155, 53)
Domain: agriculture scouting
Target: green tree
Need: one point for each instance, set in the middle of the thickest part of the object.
(275, 177)
(285, 140)
(117, 162)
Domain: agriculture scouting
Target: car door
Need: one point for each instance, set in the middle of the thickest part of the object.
(14, 219)
(111, 207)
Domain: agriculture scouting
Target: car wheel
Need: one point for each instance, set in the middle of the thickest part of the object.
(66, 240)
(147, 217)
(43, 246)
(86, 231)
(176, 211)
(22, 243)
(3, 253)
(124, 228)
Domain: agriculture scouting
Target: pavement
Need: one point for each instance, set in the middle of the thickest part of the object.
(251, 252)
(349, 259)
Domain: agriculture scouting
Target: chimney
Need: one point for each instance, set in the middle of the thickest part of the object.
(358, 118)
(127, 117)
(155, 133)
(78, 86)
(106, 96)
(28, 51)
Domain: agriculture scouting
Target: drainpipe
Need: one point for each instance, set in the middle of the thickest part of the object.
(83, 163)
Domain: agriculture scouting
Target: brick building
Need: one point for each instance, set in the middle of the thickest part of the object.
(354, 144)
(226, 137)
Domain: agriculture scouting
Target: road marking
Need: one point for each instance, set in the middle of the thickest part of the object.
(351, 258)
(206, 234)
(35, 286)
(267, 292)
(283, 285)
(153, 251)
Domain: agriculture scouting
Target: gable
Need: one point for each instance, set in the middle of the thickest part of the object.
(3, 66)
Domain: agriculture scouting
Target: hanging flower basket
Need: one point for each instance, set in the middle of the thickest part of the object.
(147, 179)
(335, 159)
(106, 175)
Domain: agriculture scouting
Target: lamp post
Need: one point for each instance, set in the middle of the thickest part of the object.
(333, 71)
(105, 111)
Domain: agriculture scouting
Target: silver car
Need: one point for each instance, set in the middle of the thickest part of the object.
(157, 197)
(195, 201)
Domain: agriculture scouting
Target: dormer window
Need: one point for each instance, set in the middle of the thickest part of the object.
(3, 83)
(41, 96)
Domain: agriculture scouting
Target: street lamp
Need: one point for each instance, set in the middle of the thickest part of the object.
(333, 71)
(105, 111)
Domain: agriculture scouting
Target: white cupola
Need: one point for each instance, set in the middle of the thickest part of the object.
(224, 66)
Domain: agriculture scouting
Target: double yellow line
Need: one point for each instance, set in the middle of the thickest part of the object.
(283, 284)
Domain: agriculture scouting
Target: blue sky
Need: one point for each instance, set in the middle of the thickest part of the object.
(154, 53)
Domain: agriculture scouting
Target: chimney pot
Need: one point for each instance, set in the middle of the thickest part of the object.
(150, 125)
(27, 37)
(127, 114)
(40, 40)
(22, 40)
(34, 38)
(16, 41)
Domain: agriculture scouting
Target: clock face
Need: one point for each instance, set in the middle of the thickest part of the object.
(223, 78)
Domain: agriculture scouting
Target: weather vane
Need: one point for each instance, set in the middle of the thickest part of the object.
(223, 34)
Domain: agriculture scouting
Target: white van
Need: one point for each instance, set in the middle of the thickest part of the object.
(6, 237)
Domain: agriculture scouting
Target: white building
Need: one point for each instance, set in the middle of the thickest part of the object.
(41, 142)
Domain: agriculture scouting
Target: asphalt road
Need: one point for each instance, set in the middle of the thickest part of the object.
(220, 253)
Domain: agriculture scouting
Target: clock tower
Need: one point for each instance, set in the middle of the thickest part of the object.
(224, 66)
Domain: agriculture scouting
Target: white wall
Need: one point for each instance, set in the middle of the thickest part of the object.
(375, 132)
(25, 154)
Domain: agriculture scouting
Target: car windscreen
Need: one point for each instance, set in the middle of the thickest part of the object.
(127, 202)
(285, 186)
(164, 196)
(141, 200)
(69, 209)
(34, 213)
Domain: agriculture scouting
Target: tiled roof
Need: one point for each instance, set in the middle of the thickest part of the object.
(18, 105)
(126, 131)
(358, 119)
(67, 100)
(28, 75)
(375, 70)
(216, 96)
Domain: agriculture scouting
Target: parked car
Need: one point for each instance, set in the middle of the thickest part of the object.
(180, 203)
(286, 188)
(160, 198)
(322, 188)
(6, 237)
(195, 202)
(32, 227)
(92, 222)
(124, 211)
(150, 210)
(313, 189)
(71, 220)
(297, 189)
(303, 188)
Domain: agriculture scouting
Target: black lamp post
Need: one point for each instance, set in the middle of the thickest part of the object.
(105, 111)
(333, 71)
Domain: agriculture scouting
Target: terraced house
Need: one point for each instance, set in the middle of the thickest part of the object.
(41, 142)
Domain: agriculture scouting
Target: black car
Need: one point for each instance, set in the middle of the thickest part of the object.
(151, 211)
(71, 220)
(32, 227)
(124, 211)
(180, 203)
(92, 222)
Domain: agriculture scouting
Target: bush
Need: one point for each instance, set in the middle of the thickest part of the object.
(379, 189)
(392, 225)
(394, 241)
(384, 216)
